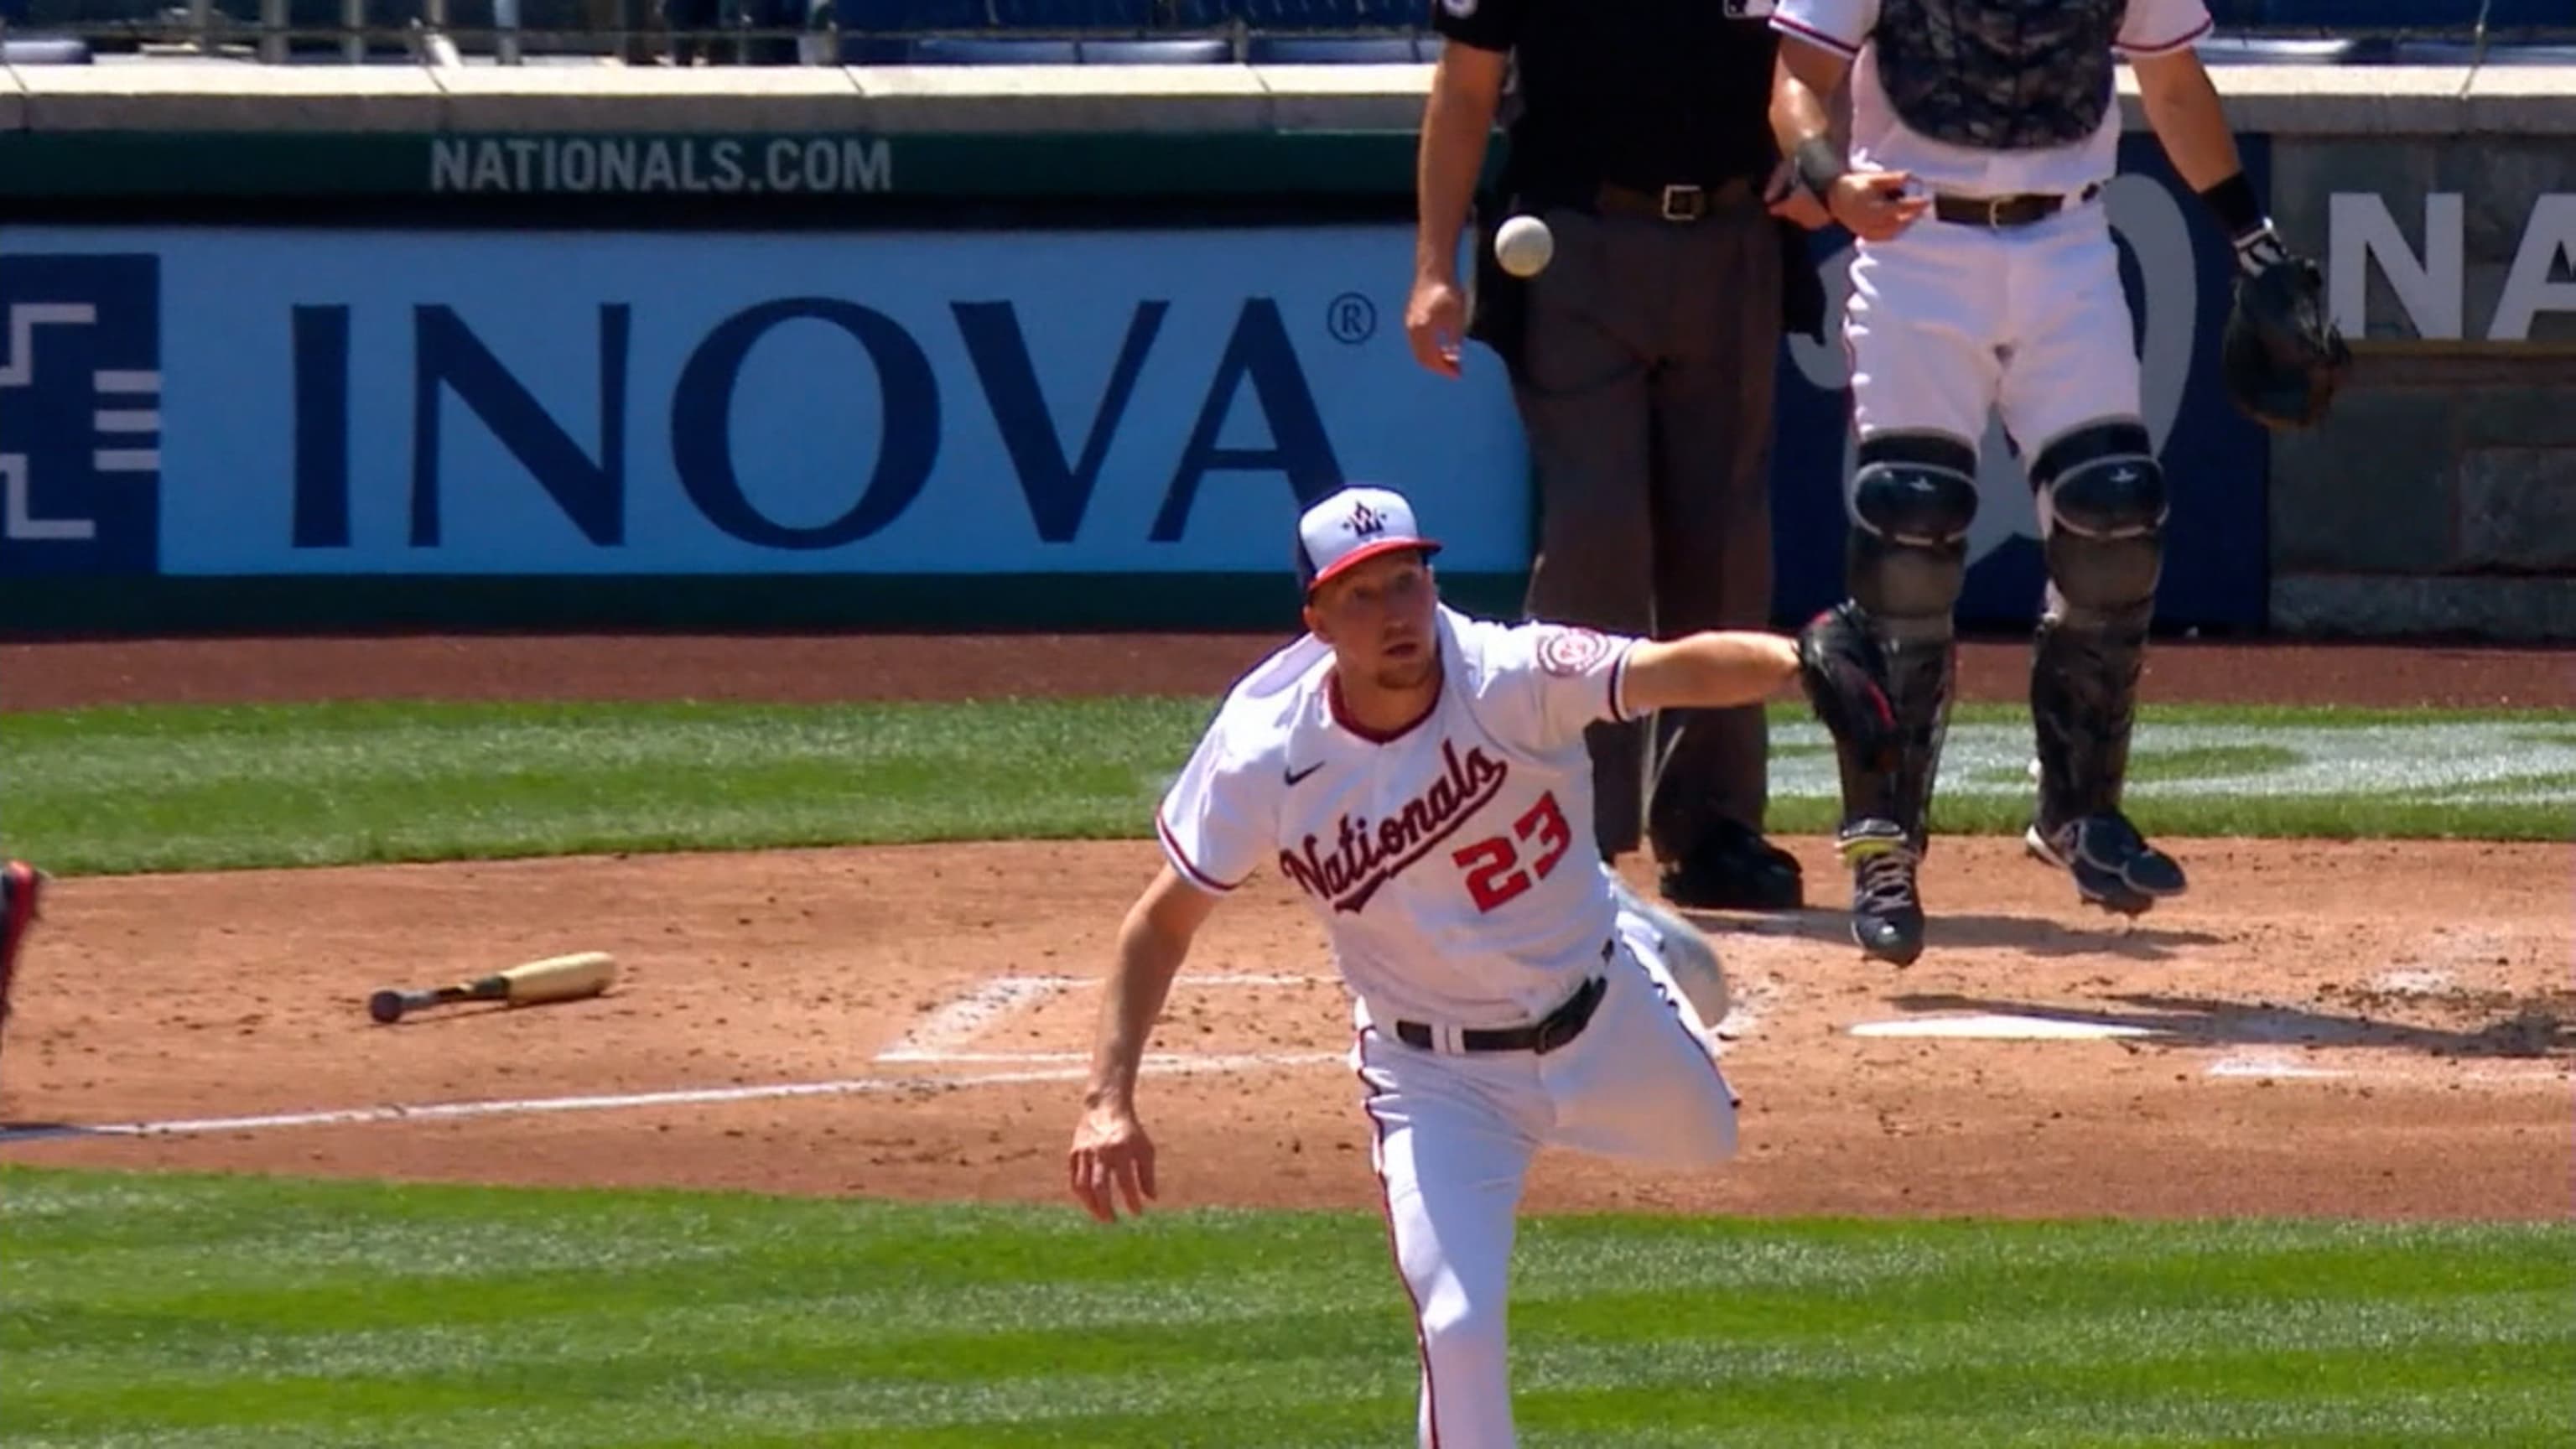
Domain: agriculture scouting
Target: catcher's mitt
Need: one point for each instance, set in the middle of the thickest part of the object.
(1844, 675)
(2282, 355)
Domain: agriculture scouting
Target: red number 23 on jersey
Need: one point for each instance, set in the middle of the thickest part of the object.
(1494, 874)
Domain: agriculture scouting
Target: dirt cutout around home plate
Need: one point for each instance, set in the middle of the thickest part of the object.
(2377, 1029)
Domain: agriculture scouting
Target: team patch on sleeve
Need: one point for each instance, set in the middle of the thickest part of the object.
(1571, 652)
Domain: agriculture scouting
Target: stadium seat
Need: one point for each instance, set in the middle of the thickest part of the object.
(990, 15)
(2286, 50)
(898, 15)
(1176, 50)
(874, 50)
(1036, 50)
(2419, 15)
(1073, 14)
(45, 50)
(2461, 52)
(989, 50)
(1340, 49)
(1327, 15)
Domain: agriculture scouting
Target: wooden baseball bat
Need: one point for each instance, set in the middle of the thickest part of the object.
(556, 978)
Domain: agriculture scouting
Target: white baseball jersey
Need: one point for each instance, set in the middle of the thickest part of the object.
(1453, 866)
(1882, 142)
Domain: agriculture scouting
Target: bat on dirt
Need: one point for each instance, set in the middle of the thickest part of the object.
(556, 978)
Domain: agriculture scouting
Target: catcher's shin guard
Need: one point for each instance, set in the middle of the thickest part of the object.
(1906, 559)
(1922, 676)
(2102, 509)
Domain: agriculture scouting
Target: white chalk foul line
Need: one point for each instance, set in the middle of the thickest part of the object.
(2424, 1075)
(960, 1021)
(940, 1036)
(2270, 1067)
(1167, 1061)
(626, 1101)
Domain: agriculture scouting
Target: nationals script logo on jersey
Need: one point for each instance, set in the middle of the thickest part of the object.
(1452, 865)
(1364, 859)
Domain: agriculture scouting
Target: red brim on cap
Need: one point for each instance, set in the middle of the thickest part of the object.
(1368, 551)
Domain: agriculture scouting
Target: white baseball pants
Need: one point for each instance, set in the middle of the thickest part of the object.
(1455, 1135)
(1948, 322)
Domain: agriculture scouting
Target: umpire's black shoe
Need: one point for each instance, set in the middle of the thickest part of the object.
(1735, 869)
(1886, 913)
(2112, 864)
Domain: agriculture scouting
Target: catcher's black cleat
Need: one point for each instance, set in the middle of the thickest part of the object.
(2112, 864)
(1886, 914)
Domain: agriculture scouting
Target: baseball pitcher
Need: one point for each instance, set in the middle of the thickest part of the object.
(1422, 778)
(20, 886)
(1982, 133)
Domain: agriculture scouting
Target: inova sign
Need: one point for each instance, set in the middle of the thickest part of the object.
(2432, 285)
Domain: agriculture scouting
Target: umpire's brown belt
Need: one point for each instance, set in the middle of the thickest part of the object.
(1678, 202)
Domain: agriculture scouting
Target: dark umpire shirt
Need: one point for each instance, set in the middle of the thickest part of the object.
(1641, 93)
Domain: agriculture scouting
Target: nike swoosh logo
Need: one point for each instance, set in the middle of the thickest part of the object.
(1296, 775)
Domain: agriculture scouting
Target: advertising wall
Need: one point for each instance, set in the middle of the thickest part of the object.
(654, 403)
(262, 403)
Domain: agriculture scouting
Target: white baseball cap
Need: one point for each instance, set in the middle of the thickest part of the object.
(1344, 529)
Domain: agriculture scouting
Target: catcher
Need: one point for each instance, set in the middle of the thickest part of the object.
(1985, 278)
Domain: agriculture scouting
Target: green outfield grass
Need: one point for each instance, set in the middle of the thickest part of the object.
(198, 1312)
(117, 790)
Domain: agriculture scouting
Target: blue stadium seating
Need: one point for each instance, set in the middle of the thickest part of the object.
(2406, 14)
(965, 15)
(44, 50)
(1340, 49)
(1034, 50)
(2289, 50)
(1328, 15)
(2461, 52)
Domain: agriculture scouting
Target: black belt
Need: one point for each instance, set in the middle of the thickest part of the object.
(2017, 210)
(1680, 202)
(1558, 1028)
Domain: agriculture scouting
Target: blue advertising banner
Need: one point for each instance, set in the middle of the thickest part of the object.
(2177, 270)
(344, 403)
(80, 413)
(525, 403)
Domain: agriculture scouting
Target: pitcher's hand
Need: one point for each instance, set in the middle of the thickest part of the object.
(1111, 1154)
(1435, 322)
(1873, 204)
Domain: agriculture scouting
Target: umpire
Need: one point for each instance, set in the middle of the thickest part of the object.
(1642, 361)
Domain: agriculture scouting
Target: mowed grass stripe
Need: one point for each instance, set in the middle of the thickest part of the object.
(194, 788)
(362, 1313)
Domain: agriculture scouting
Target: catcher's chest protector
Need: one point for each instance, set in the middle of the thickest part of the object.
(2000, 75)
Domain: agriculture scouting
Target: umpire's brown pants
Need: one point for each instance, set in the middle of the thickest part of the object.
(1645, 388)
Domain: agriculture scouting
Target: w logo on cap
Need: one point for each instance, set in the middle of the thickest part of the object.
(1351, 526)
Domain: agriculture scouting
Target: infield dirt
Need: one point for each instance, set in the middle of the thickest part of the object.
(2376, 1029)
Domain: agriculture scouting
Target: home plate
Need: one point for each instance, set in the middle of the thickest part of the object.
(2001, 1028)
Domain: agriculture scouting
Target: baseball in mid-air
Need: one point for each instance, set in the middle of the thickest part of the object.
(1524, 246)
